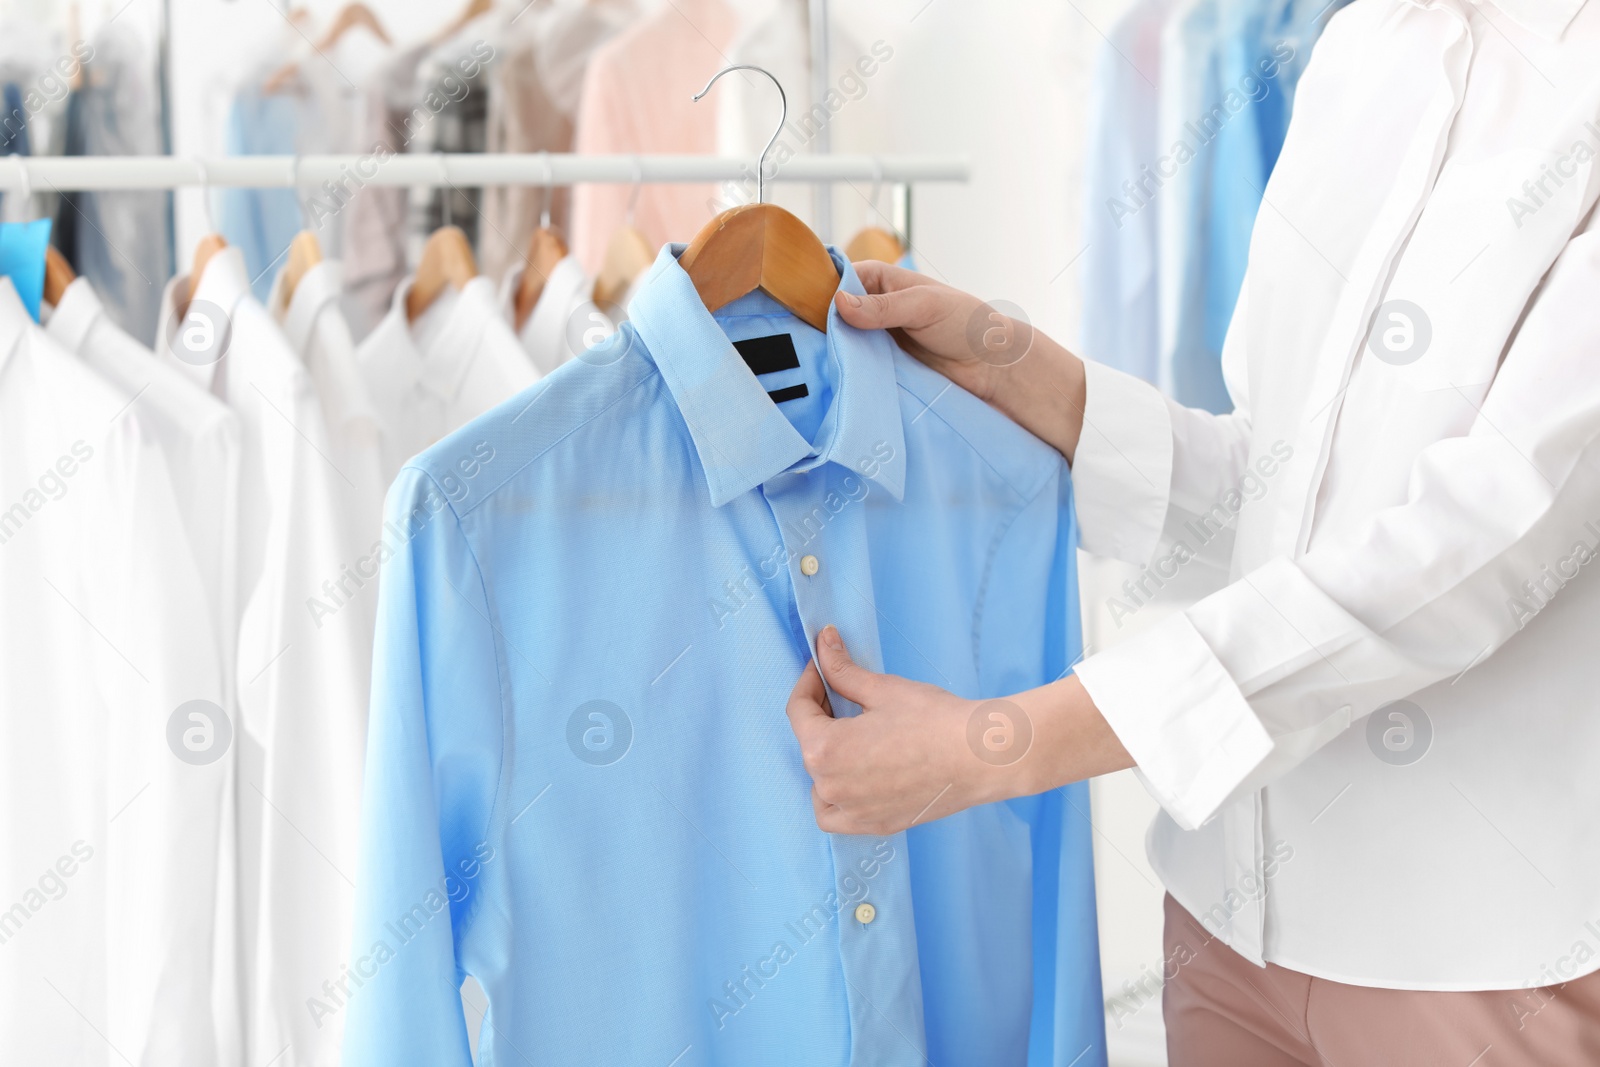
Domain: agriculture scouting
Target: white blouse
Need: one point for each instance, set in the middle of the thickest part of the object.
(1375, 747)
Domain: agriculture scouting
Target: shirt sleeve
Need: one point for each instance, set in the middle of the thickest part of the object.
(434, 753)
(1141, 457)
(1217, 701)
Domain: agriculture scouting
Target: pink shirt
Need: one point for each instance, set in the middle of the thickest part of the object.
(637, 98)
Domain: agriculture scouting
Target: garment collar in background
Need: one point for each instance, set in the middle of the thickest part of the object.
(437, 350)
(1548, 19)
(324, 345)
(548, 337)
(14, 320)
(72, 319)
(318, 287)
(741, 436)
(223, 284)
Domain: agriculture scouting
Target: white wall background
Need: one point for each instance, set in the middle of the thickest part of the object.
(1005, 82)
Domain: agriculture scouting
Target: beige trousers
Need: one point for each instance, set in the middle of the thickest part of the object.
(1222, 1010)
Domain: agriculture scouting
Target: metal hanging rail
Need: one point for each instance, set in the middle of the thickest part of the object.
(53, 173)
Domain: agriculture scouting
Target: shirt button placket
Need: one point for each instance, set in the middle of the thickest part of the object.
(877, 939)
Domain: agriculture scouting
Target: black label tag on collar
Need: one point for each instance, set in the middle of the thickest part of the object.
(794, 392)
(768, 355)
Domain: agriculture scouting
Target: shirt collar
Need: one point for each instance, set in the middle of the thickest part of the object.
(75, 315)
(1548, 19)
(452, 345)
(741, 436)
(14, 320)
(1545, 18)
(223, 284)
(319, 286)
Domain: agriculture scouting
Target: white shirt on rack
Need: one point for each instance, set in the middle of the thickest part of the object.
(563, 322)
(1418, 509)
(198, 434)
(313, 322)
(458, 360)
(109, 841)
(303, 664)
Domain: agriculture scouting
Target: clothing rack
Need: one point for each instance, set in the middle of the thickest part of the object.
(349, 172)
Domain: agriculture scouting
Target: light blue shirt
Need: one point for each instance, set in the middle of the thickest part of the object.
(582, 787)
(262, 222)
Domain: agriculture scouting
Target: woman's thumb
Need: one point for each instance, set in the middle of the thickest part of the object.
(848, 679)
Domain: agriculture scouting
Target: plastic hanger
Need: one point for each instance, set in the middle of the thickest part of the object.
(545, 250)
(628, 254)
(305, 251)
(875, 242)
(348, 18)
(447, 260)
(206, 247)
(762, 246)
(58, 273)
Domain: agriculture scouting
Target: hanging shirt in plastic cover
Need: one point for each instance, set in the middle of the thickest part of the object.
(120, 239)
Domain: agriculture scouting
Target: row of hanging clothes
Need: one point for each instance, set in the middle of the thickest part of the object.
(192, 488)
(1192, 100)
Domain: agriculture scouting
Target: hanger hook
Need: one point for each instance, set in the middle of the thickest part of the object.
(877, 183)
(205, 192)
(549, 182)
(444, 187)
(638, 184)
(783, 119)
(294, 186)
(27, 185)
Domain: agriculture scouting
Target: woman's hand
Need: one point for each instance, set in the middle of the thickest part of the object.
(999, 359)
(917, 753)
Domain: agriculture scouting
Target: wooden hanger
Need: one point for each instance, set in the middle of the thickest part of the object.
(305, 252)
(348, 18)
(545, 250)
(474, 9)
(446, 261)
(874, 242)
(762, 246)
(58, 274)
(204, 249)
(628, 255)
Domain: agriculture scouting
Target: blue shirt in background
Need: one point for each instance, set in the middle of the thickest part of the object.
(582, 787)
(261, 222)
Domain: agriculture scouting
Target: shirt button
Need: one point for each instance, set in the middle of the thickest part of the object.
(865, 913)
(809, 565)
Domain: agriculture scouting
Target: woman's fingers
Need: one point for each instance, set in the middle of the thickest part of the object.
(915, 308)
(879, 277)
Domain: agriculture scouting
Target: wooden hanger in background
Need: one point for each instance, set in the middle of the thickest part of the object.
(545, 250)
(58, 274)
(305, 252)
(348, 18)
(447, 261)
(762, 246)
(474, 9)
(874, 242)
(628, 255)
(204, 249)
